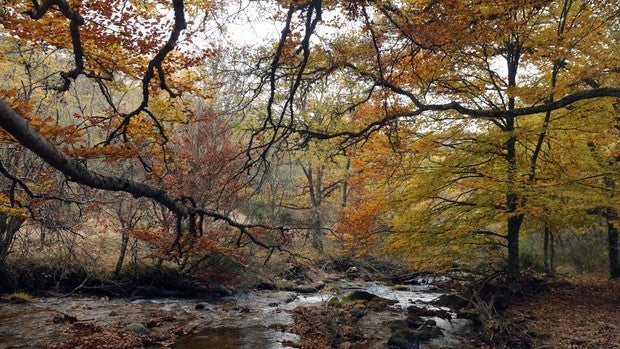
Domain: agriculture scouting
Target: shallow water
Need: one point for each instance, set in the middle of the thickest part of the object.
(254, 320)
(263, 326)
(242, 338)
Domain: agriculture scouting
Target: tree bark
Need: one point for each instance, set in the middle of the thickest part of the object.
(9, 225)
(315, 191)
(549, 251)
(18, 127)
(121, 254)
(513, 226)
(513, 267)
(614, 255)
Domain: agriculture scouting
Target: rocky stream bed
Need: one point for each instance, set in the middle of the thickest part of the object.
(340, 314)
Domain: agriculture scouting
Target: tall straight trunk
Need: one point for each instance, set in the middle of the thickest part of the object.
(513, 226)
(614, 256)
(513, 267)
(548, 251)
(315, 191)
(121, 255)
(513, 200)
(552, 252)
(345, 183)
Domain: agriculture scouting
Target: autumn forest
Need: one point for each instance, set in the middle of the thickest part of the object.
(218, 146)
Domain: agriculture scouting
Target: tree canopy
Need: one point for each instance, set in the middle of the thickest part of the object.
(450, 123)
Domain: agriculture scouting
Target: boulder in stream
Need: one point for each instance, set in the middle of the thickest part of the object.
(419, 311)
(403, 339)
(138, 329)
(452, 301)
(203, 306)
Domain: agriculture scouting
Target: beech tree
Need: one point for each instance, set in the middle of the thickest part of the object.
(500, 72)
(507, 69)
(116, 47)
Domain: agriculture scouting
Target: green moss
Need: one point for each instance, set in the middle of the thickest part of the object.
(335, 302)
(18, 297)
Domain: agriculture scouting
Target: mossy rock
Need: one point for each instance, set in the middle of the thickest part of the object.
(17, 298)
(360, 296)
(452, 301)
(335, 302)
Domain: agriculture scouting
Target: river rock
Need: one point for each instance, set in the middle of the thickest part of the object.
(427, 332)
(290, 298)
(222, 291)
(360, 296)
(415, 321)
(334, 302)
(403, 340)
(419, 311)
(404, 336)
(203, 306)
(399, 325)
(452, 301)
(138, 329)
(352, 273)
(410, 323)
(422, 334)
(469, 314)
(430, 323)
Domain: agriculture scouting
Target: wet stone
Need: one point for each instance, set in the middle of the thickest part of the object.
(138, 329)
(430, 323)
(398, 342)
(361, 295)
(419, 311)
(290, 298)
(399, 325)
(452, 301)
(202, 306)
(415, 321)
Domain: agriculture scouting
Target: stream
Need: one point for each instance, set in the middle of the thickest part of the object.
(258, 319)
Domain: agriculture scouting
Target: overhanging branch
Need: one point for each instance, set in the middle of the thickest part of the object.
(17, 126)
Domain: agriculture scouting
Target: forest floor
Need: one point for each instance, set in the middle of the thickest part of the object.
(581, 313)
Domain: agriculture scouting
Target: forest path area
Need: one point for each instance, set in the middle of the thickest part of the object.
(579, 314)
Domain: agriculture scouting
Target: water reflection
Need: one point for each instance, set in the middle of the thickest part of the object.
(237, 338)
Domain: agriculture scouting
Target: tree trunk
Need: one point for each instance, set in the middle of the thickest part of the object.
(9, 225)
(549, 252)
(345, 183)
(546, 249)
(614, 258)
(315, 191)
(552, 253)
(513, 268)
(121, 255)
